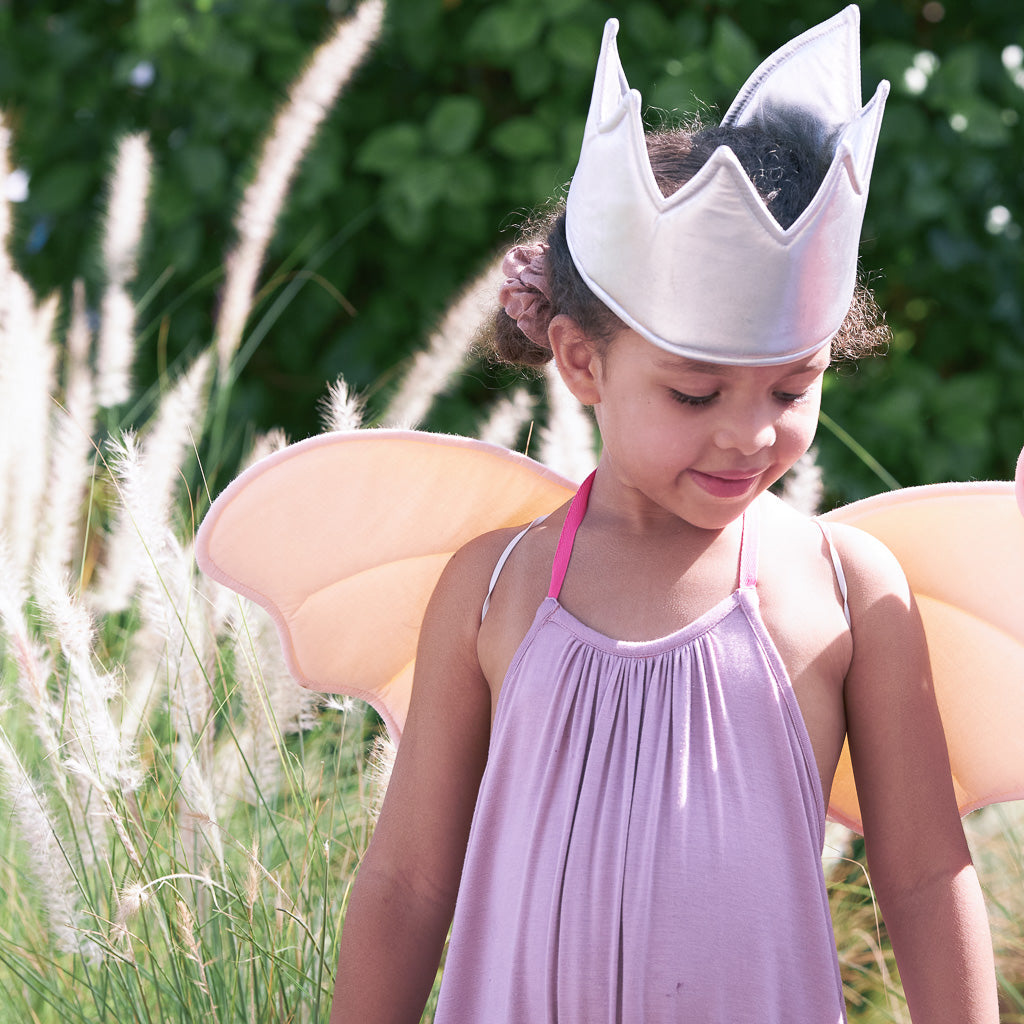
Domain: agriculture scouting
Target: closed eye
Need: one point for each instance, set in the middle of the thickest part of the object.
(693, 401)
(790, 398)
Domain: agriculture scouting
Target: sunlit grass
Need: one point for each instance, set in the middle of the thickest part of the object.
(177, 917)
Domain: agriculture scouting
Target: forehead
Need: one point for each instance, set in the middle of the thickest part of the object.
(814, 363)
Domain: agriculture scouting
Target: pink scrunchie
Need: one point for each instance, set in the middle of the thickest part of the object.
(525, 295)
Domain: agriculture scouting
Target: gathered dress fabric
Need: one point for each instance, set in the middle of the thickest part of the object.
(647, 840)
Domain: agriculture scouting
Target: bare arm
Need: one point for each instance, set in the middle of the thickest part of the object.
(402, 902)
(920, 865)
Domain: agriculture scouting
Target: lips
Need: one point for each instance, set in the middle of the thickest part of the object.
(726, 484)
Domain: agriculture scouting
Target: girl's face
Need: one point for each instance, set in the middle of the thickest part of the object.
(701, 440)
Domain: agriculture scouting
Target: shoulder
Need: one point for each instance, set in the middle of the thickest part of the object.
(465, 580)
(796, 552)
(795, 544)
(872, 571)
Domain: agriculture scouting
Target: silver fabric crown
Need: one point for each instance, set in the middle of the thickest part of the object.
(708, 272)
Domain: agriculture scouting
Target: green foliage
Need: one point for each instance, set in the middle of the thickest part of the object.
(466, 119)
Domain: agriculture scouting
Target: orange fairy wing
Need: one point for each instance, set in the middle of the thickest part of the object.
(962, 548)
(342, 538)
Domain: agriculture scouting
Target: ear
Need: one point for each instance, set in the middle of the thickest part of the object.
(577, 358)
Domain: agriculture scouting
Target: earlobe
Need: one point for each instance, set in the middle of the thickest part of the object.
(577, 358)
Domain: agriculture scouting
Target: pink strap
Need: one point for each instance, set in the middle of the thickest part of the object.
(748, 546)
(573, 518)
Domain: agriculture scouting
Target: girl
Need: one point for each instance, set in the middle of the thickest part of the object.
(626, 718)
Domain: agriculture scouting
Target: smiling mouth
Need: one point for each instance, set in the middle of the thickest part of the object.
(725, 484)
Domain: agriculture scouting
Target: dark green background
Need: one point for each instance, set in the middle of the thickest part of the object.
(467, 115)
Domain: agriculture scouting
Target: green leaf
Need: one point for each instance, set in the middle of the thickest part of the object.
(645, 23)
(453, 124)
(890, 59)
(470, 182)
(389, 149)
(157, 22)
(522, 138)
(505, 30)
(532, 74)
(408, 222)
(685, 85)
(422, 183)
(573, 45)
(562, 8)
(61, 187)
(979, 121)
(205, 168)
(733, 55)
(956, 77)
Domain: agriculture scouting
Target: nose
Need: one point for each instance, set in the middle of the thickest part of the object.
(748, 430)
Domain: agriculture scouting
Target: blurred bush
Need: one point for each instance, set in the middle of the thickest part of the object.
(466, 118)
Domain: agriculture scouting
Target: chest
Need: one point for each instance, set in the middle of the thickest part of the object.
(629, 601)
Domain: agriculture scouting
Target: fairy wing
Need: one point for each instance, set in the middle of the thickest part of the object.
(962, 548)
(342, 538)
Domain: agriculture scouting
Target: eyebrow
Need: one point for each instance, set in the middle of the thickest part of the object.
(682, 364)
(685, 365)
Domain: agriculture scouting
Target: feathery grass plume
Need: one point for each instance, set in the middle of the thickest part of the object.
(9, 381)
(164, 449)
(5, 206)
(126, 214)
(341, 409)
(35, 667)
(28, 358)
(171, 607)
(431, 370)
(507, 419)
(90, 732)
(189, 939)
(58, 889)
(253, 879)
(264, 445)
(273, 705)
(253, 767)
(189, 665)
(129, 901)
(146, 670)
(72, 451)
(379, 768)
(567, 439)
(91, 751)
(100, 811)
(802, 486)
(295, 125)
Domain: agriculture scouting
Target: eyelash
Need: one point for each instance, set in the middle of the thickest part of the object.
(703, 401)
(694, 401)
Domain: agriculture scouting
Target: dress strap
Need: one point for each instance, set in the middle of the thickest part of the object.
(749, 540)
(572, 522)
(504, 558)
(838, 566)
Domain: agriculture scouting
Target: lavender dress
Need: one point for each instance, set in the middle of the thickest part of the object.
(647, 841)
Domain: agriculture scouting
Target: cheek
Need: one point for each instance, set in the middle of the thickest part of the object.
(635, 430)
(800, 426)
